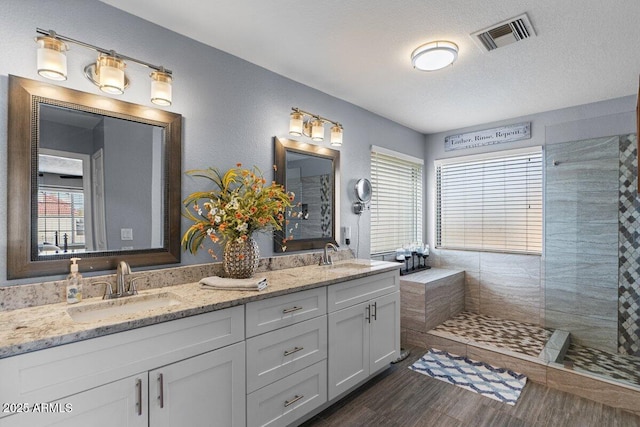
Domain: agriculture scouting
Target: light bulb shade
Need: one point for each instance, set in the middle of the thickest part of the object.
(52, 60)
(317, 130)
(161, 88)
(434, 55)
(336, 136)
(110, 74)
(296, 124)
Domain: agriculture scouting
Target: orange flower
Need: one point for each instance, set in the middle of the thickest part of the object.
(238, 215)
(253, 209)
(240, 256)
(244, 237)
(239, 165)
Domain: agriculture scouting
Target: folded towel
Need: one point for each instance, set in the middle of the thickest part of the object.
(224, 283)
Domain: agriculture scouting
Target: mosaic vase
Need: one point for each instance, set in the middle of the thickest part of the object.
(241, 258)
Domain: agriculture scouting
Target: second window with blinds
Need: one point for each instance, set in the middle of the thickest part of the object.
(490, 202)
(396, 200)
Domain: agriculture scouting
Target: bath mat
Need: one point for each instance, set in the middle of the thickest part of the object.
(497, 383)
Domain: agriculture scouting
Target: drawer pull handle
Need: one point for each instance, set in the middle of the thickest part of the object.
(294, 400)
(375, 311)
(367, 316)
(161, 390)
(294, 350)
(139, 396)
(291, 310)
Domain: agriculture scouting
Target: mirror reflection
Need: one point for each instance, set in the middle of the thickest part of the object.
(312, 173)
(89, 176)
(311, 179)
(100, 183)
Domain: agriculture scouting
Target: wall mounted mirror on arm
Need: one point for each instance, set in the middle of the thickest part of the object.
(313, 174)
(89, 175)
(363, 194)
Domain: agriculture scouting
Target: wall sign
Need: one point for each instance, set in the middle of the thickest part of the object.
(488, 137)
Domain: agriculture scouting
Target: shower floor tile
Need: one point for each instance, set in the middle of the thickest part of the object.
(507, 334)
(617, 366)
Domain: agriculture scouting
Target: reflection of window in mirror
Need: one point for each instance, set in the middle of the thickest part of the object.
(63, 210)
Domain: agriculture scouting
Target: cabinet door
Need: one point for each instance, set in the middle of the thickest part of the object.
(348, 348)
(384, 331)
(206, 390)
(120, 403)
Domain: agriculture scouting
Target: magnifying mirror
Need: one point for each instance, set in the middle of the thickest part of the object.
(363, 194)
(363, 190)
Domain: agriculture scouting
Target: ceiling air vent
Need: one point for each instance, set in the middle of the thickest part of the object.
(504, 33)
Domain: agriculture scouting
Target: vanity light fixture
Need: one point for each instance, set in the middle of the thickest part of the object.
(107, 72)
(52, 60)
(434, 56)
(313, 126)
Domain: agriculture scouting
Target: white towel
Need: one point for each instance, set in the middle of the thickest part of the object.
(227, 284)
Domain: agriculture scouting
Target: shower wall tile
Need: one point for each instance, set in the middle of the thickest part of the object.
(510, 286)
(594, 270)
(585, 330)
(460, 260)
(566, 240)
(580, 299)
(583, 150)
(629, 249)
(581, 206)
(472, 292)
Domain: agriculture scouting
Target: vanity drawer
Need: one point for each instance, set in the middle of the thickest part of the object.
(272, 313)
(284, 401)
(346, 294)
(274, 355)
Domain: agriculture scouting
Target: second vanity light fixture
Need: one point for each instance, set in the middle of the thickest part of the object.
(313, 126)
(107, 72)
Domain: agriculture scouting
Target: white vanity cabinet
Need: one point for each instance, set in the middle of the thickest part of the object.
(286, 357)
(364, 329)
(114, 379)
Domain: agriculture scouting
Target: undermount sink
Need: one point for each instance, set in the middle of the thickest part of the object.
(121, 306)
(347, 266)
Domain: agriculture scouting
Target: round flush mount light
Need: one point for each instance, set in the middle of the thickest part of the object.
(434, 55)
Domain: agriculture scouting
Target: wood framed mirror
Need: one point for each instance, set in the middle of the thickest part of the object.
(90, 177)
(312, 172)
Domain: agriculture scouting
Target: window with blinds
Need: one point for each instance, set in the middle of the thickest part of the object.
(490, 203)
(396, 200)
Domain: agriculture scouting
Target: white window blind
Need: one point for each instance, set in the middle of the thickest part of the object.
(396, 200)
(490, 203)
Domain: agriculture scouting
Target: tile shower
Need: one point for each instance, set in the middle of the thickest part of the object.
(591, 260)
(588, 281)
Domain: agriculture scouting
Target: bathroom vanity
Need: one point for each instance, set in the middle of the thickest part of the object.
(191, 356)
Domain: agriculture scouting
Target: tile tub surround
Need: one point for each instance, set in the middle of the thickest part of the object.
(34, 328)
(427, 299)
(42, 293)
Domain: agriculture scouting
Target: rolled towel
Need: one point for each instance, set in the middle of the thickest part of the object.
(227, 284)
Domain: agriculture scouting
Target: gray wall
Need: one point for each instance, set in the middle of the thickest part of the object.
(512, 286)
(232, 109)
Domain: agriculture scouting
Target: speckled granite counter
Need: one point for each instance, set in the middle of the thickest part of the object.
(35, 328)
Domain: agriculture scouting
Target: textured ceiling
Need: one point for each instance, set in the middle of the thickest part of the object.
(358, 50)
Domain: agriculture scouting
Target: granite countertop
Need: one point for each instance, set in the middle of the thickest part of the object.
(36, 328)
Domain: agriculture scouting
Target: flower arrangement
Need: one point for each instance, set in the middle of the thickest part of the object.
(240, 204)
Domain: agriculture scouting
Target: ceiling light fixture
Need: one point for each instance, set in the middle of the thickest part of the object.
(434, 56)
(313, 126)
(107, 72)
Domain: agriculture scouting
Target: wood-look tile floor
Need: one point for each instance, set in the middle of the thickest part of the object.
(400, 397)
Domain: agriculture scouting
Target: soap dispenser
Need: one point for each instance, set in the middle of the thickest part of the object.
(74, 283)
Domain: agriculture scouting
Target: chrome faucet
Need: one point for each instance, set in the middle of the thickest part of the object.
(122, 290)
(326, 258)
